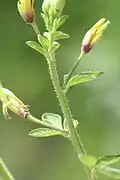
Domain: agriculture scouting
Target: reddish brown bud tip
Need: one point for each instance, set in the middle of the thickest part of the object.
(94, 34)
(87, 48)
(29, 17)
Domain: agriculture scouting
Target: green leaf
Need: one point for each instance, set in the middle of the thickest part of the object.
(57, 36)
(53, 119)
(36, 46)
(46, 20)
(107, 160)
(55, 46)
(60, 35)
(61, 20)
(110, 172)
(55, 24)
(88, 160)
(65, 124)
(83, 77)
(43, 41)
(44, 132)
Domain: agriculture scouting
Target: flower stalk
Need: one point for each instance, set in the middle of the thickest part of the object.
(72, 70)
(4, 172)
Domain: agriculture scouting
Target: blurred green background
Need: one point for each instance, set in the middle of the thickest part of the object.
(95, 104)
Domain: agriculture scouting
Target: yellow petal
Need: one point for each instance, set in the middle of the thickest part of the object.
(100, 32)
(99, 23)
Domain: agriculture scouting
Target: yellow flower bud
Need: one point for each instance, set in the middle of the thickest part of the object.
(26, 10)
(94, 34)
(11, 102)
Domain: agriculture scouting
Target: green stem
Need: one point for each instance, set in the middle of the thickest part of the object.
(64, 104)
(35, 120)
(73, 135)
(36, 29)
(61, 95)
(4, 172)
(72, 70)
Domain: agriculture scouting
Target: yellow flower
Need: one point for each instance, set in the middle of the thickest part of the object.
(26, 10)
(94, 34)
(10, 101)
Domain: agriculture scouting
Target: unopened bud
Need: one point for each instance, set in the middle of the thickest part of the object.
(51, 5)
(58, 4)
(46, 6)
(26, 10)
(11, 102)
(94, 34)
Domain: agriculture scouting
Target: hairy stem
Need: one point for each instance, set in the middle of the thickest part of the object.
(4, 172)
(61, 95)
(64, 104)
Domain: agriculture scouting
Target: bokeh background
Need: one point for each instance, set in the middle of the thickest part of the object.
(95, 104)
